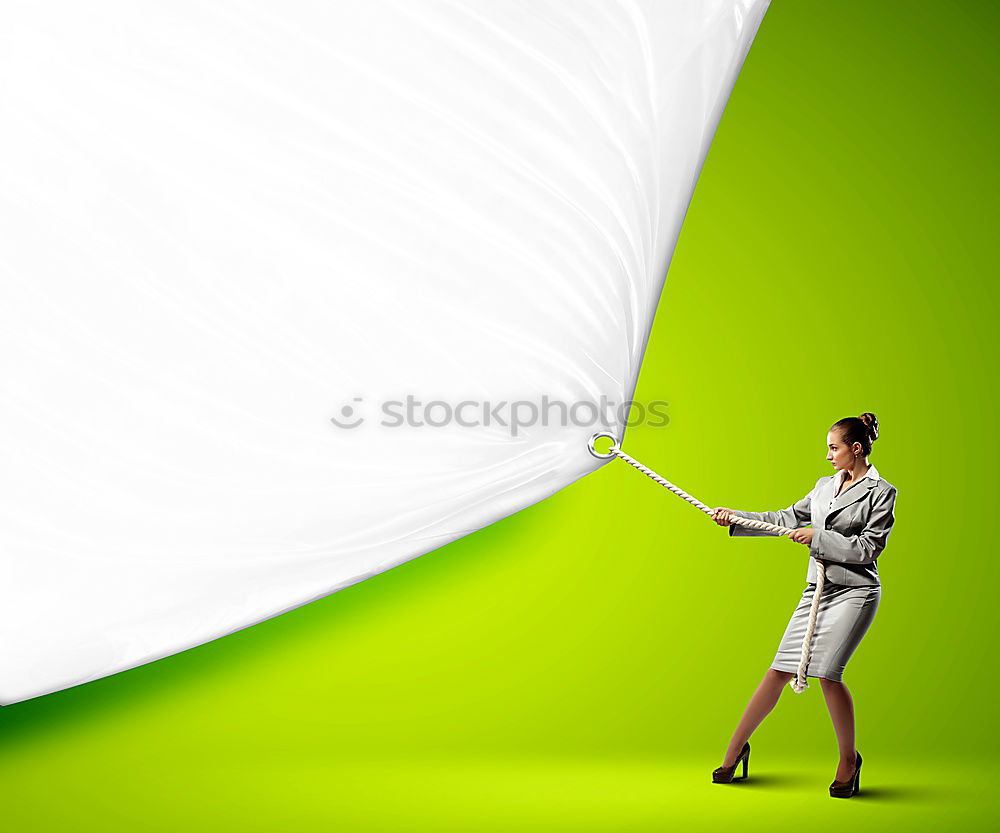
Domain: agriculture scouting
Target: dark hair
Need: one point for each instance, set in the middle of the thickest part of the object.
(862, 429)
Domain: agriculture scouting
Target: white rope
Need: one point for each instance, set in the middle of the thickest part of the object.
(798, 683)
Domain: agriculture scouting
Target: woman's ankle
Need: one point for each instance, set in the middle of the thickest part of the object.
(732, 754)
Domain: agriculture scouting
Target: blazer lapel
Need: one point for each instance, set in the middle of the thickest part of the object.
(852, 494)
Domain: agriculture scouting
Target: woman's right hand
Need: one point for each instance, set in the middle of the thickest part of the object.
(722, 516)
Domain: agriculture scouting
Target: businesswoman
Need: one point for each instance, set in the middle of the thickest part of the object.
(851, 513)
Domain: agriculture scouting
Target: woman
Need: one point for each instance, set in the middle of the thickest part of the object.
(851, 513)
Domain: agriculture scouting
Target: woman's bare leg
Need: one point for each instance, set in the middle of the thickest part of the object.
(841, 706)
(760, 705)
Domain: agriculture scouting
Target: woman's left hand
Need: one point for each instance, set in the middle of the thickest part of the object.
(801, 536)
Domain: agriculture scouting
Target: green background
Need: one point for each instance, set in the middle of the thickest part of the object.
(581, 664)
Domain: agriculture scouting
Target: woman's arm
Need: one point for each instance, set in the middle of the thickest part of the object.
(797, 515)
(865, 547)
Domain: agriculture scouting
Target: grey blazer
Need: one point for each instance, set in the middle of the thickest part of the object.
(847, 536)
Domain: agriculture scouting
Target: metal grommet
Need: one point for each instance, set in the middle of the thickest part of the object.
(595, 438)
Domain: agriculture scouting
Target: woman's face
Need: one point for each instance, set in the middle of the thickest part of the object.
(838, 453)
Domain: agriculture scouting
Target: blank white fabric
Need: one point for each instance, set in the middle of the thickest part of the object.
(224, 225)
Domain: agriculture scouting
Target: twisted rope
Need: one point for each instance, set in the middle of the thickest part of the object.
(799, 683)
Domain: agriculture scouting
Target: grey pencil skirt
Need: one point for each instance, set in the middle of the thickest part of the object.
(842, 619)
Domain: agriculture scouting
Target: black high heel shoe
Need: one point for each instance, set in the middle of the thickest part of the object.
(845, 789)
(724, 774)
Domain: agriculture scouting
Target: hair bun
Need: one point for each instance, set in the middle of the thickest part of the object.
(872, 423)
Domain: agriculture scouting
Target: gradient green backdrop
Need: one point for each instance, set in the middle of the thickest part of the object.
(581, 664)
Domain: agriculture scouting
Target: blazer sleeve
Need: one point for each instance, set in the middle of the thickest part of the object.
(796, 515)
(864, 547)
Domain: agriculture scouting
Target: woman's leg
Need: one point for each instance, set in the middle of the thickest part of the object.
(841, 706)
(760, 705)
